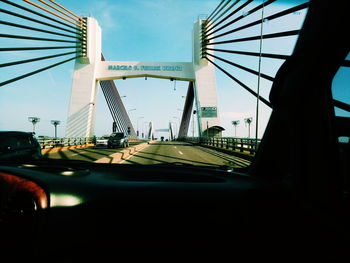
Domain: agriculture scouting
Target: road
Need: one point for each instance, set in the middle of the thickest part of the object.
(89, 154)
(170, 152)
(156, 153)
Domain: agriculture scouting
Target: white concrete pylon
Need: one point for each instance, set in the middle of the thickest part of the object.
(81, 113)
(90, 70)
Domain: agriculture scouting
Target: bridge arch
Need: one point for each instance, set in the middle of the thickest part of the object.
(92, 69)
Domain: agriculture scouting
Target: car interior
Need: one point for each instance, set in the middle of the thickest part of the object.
(291, 204)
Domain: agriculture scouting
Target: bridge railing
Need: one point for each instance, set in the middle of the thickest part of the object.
(49, 143)
(242, 145)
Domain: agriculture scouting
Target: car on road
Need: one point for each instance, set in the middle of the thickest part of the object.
(118, 139)
(102, 141)
(19, 145)
(291, 203)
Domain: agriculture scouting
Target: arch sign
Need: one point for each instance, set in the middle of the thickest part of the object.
(89, 70)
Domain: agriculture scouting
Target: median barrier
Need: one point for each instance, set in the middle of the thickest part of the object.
(122, 155)
(62, 148)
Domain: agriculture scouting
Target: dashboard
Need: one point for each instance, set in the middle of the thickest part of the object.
(81, 207)
(72, 211)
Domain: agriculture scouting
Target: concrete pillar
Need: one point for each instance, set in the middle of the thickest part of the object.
(81, 113)
(204, 85)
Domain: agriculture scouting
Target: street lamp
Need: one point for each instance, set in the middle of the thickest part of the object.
(34, 120)
(137, 133)
(235, 123)
(129, 117)
(55, 123)
(175, 128)
(194, 112)
(248, 121)
(177, 123)
(143, 130)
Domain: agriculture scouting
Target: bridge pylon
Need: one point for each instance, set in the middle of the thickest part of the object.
(82, 106)
(89, 70)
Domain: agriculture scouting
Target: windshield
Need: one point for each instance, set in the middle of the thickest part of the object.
(186, 81)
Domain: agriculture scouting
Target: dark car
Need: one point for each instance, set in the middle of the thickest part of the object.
(19, 145)
(118, 139)
(291, 204)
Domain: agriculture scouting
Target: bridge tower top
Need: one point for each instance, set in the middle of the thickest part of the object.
(93, 42)
(90, 70)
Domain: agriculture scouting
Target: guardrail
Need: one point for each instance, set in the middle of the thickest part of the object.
(49, 143)
(228, 143)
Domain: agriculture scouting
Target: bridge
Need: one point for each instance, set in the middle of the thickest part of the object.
(214, 37)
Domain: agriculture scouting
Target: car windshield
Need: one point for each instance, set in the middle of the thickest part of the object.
(184, 81)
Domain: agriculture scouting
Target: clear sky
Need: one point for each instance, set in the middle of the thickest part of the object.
(141, 30)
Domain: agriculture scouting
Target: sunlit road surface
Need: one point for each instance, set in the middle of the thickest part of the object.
(89, 154)
(180, 152)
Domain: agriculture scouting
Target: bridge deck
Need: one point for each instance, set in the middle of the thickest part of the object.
(156, 153)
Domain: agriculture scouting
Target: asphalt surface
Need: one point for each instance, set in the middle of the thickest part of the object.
(180, 152)
(89, 154)
(156, 153)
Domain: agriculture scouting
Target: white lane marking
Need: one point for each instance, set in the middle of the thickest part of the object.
(180, 152)
(78, 153)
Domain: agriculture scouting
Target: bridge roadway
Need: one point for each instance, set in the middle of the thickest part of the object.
(156, 153)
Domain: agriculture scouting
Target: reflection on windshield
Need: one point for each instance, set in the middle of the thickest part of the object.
(184, 124)
(64, 200)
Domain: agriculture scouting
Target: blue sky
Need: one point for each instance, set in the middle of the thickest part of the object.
(142, 30)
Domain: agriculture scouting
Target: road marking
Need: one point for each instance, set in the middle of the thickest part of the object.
(175, 147)
(78, 153)
(180, 152)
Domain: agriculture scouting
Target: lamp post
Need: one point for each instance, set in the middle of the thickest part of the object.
(235, 123)
(177, 124)
(207, 130)
(34, 121)
(130, 118)
(194, 112)
(175, 129)
(55, 123)
(248, 121)
(143, 129)
(137, 133)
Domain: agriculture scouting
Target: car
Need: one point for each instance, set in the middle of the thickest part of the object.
(118, 139)
(102, 141)
(291, 205)
(19, 145)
